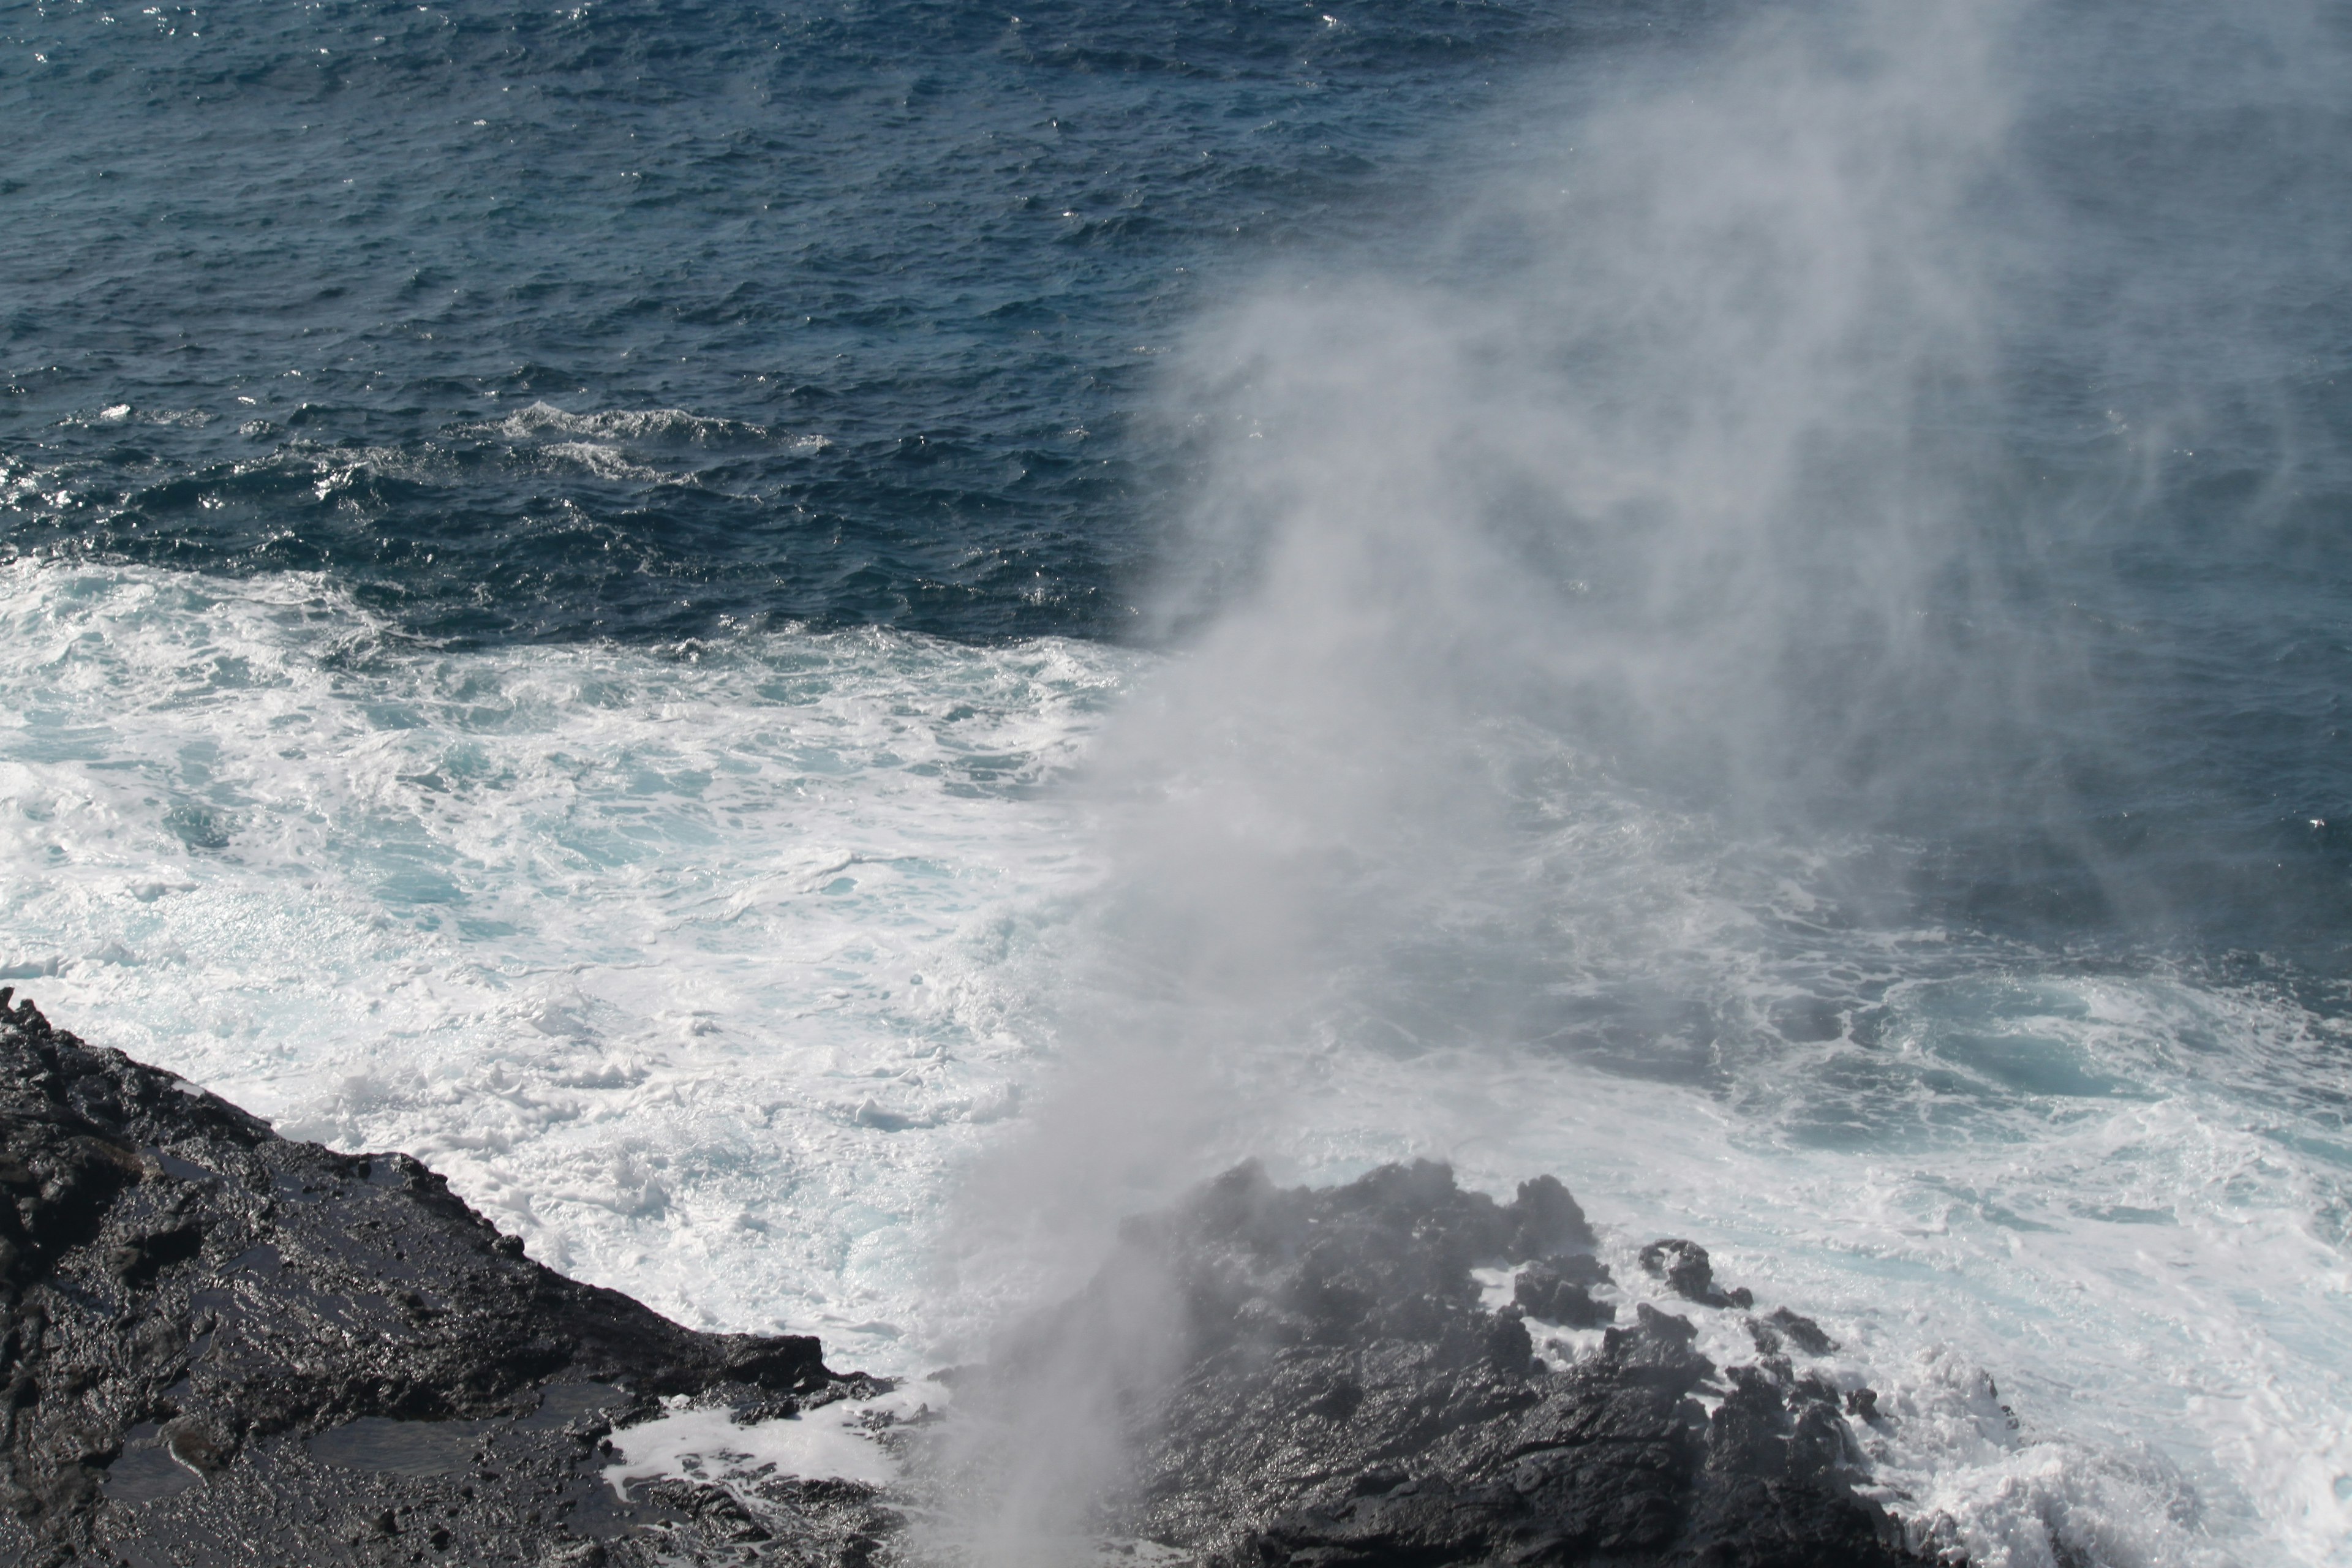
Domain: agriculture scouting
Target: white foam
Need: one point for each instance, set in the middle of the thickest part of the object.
(538, 419)
(603, 461)
(840, 1441)
(124, 414)
(693, 967)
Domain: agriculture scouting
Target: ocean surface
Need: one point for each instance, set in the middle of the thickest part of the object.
(818, 647)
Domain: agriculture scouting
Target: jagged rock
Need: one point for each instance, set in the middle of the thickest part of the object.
(1783, 1324)
(1690, 1274)
(1559, 1290)
(220, 1346)
(1344, 1400)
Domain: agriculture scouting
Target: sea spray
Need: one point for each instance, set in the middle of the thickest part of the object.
(1596, 613)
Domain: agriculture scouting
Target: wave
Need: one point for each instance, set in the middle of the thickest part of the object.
(705, 952)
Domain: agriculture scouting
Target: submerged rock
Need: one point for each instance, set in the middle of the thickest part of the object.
(220, 1346)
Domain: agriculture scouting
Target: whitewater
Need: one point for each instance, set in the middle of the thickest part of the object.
(702, 969)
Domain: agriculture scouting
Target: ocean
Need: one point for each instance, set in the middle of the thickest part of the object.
(821, 647)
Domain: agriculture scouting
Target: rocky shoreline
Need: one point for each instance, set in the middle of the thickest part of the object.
(220, 1346)
(1348, 1397)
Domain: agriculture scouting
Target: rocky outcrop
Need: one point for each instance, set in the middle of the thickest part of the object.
(221, 1346)
(1347, 1398)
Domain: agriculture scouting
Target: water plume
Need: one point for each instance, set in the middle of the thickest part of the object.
(1643, 487)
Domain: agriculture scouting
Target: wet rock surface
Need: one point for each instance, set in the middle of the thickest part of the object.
(1348, 1399)
(220, 1346)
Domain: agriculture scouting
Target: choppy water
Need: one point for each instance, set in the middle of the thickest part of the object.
(693, 612)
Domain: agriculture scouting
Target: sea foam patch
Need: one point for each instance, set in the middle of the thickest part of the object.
(843, 1440)
(693, 967)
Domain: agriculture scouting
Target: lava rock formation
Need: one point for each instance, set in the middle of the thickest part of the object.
(1346, 1399)
(221, 1346)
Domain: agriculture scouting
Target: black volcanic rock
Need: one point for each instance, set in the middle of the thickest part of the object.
(220, 1346)
(1559, 1290)
(1690, 1274)
(1345, 1399)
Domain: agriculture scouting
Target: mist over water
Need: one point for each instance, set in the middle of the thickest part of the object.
(1743, 604)
(1708, 618)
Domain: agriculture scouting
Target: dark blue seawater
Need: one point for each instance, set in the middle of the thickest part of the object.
(907, 267)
